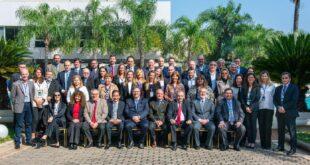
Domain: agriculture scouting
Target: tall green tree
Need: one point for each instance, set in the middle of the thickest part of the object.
(192, 36)
(141, 16)
(50, 24)
(296, 14)
(225, 23)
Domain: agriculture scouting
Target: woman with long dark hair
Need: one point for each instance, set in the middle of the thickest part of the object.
(249, 98)
(174, 87)
(237, 85)
(75, 118)
(100, 79)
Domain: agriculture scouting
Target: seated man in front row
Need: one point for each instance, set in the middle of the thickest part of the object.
(157, 115)
(95, 114)
(136, 111)
(115, 117)
(203, 114)
(230, 116)
(180, 115)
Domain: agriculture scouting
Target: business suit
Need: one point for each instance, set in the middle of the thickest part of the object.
(94, 73)
(59, 119)
(77, 71)
(242, 70)
(120, 116)
(126, 92)
(222, 111)
(98, 117)
(131, 110)
(149, 90)
(55, 68)
(166, 73)
(158, 110)
(187, 84)
(173, 113)
(202, 69)
(61, 79)
(113, 68)
(89, 83)
(54, 86)
(288, 119)
(253, 104)
(133, 68)
(22, 109)
(74, 129)
(203, 109)
(208, 79)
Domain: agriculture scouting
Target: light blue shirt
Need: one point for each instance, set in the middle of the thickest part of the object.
(231, 117)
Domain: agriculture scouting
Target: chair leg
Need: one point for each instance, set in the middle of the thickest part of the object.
(65, 138)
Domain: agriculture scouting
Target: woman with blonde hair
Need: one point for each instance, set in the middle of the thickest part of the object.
(140, 79)
(266, 109)
(174, 87)
(77, 85)
(151, 85)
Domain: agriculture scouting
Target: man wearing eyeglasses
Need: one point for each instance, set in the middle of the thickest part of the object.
(285, 99)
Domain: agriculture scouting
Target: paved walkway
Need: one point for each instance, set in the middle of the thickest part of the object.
(49, 155)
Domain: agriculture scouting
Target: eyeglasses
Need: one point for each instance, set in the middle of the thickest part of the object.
(57, 95)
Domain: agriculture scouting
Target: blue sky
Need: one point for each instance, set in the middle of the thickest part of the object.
(276, 14)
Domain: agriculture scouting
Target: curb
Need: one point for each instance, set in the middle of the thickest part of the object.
(300, 144)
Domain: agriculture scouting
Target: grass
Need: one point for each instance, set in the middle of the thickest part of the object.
(304, 136)
(9, 137)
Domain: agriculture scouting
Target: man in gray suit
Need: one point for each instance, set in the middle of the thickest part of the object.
(22, 96)
(56, 66)
(203, 114)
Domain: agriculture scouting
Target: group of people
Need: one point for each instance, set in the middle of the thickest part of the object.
(157, 99)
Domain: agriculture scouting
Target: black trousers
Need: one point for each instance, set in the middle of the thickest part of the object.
(210, 127)
(101, 130)
(187, 132)
(74, 132)
(120, 128)
(240, 131)
(39, 118)
(143, 125)
(153, 126)
(251, 126)
(54, 127)
(290, 123)
(265, 117)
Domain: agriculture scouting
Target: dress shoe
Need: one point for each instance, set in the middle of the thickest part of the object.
(290, 152)
(130, 145)
(184, 147)
(174, 147)
(197, 147)
(74, 146)
(154, 145)
(31, 144)
(224, 148)
(17, 146)
(41, 143)
(119, 145)
(107, 146)
(208, 148)
(141, 145)
(279, 149)
(70, 146)
(90, 144)
(99, 145)
(237, 148)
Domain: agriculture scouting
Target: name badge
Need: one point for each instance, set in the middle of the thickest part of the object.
(40, 93)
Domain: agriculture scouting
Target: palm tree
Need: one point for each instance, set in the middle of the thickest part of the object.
(50, 24)
(288, 53)
(192, 34)
(296, 14)
(10, 54)
(141, 16)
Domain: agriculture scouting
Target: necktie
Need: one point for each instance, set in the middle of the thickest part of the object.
(112, 70)
(231, 117)
(136, 104)
(283, 92)
(94, 119)
(66, 80)
(178, 121)
(201, 105)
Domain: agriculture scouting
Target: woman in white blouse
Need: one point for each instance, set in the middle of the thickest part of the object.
(39, 102)
(77, 84)
(266, 109)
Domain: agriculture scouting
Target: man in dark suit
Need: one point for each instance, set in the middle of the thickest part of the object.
(87, 80)
(150, 67)
(230, 116)
(64, 78)
(180, 115)
(285, 99)
(53, 85)
(201, 67)
(131, 64)
(240, 69)
(137, 110)
(116, 117)
(190, 80)
(112, 67)
(212, 75)
(22, 97)
(191, 66)
(77, 70)
(128, 86)
(94, 71)
(203, 114)
(157, 115)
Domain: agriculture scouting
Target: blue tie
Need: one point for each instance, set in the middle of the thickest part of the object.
(284, 88)
(66, 79)
(231, 118)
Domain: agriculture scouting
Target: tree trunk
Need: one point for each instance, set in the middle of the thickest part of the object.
(296, 15)
(140, 52)
(218, 49)
(46, 44)
(189, 46)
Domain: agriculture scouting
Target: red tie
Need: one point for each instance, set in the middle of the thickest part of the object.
(178, 121)
(93, 118)
(112, 70)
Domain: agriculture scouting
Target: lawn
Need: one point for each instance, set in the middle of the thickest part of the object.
(304, 136)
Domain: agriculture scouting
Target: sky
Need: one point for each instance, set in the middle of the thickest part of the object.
(275, 14)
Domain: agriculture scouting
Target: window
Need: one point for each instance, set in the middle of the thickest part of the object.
(1, 32)
(11, 32)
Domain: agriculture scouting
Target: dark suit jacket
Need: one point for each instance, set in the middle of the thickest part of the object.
(289, 102)
(61, 80)
(69, 113)
(142, 109)
(173, 110)
(147, 89)
(254, 97)
(158, 111)
(223, 112)
(120, 110)
(203, 71)
(80, 72)
(166, 73)
(109, 69)
(135, 68)
(208, 78)
(90, 84)
(54, 87)
(243, 70)
(94, 73)
(207, 112)
(185, 83)
(61, 112)
(125, 91)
